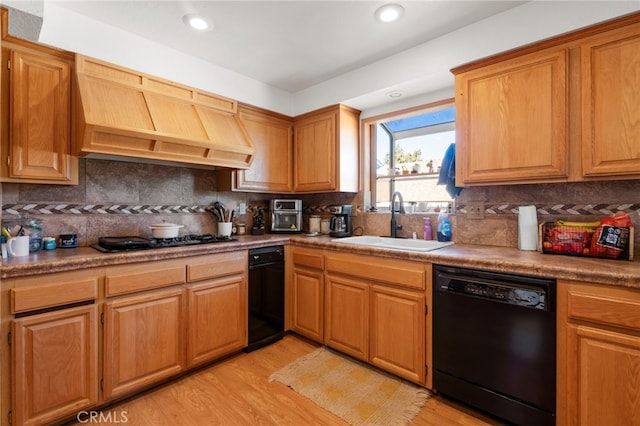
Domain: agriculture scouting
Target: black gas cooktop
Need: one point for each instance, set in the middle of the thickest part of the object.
(120, 244)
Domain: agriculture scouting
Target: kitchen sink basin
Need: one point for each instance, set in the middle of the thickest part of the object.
(394, 243)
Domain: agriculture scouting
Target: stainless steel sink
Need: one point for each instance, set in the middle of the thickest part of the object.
(394, 243)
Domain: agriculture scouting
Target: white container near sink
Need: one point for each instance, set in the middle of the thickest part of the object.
(394, 243)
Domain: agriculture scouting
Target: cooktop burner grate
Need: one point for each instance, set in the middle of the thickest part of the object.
(134, 243)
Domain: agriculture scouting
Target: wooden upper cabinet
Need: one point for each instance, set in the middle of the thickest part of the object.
(512, 120)
(563, 109)
(325, 150)
(611, 103)
(272, 169)
(37, 115)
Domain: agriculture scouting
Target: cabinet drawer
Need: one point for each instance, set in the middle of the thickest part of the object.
(308, 258)
(131, 279)
(217, 265)
(24, 299)
(392, 271)
(610, 306)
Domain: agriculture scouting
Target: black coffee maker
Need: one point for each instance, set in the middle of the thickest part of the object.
(340, 225)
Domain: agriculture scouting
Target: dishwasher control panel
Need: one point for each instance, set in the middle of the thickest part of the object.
(516, 296)
(500, 288)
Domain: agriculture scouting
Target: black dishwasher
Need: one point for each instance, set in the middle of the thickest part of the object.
(494, 342)
(266, 296)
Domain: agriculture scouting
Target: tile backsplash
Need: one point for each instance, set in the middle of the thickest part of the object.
(124, 198)
(118, 198)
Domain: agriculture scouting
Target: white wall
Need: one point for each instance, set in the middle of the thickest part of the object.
(427, 66)
(419, 72)
(77, 33)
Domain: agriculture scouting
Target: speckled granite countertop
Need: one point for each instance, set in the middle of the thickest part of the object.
(611, 272)
(504, 259)
(70, 259)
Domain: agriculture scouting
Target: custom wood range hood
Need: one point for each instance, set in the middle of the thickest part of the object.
(121, 112)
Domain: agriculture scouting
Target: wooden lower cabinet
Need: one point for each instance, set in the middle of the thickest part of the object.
(598, 355)
(375, 310)
(347, 316)
(398, 332)
(306, 293)
(143, 341)
(217, 318)
(55, 365)
(605, 377)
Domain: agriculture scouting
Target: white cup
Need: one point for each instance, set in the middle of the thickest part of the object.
(225, 229)
(18, 246)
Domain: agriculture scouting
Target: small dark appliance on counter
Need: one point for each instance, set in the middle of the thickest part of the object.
(120, 244)
(286, 216)
(340, 225)
(258, 221)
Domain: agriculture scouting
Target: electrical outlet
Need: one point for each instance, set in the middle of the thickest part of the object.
(243, 208)
(475, 210)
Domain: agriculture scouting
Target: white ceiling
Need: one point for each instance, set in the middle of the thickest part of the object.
(291, 45)
(296, 56)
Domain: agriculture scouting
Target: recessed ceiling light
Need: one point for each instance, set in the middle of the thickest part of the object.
(195, 21)
(394, 94)
(389, 12)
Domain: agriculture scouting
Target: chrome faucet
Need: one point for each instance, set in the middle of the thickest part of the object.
(394, 225)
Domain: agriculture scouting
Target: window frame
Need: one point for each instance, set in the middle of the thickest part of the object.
(369, 127)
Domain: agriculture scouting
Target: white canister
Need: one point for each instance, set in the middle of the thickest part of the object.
(314, 224)
(325, 226)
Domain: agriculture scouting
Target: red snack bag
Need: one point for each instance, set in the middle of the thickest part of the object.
(568, 240)
(611, 237)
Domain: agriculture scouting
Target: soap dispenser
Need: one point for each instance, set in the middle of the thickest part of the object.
(428, 233)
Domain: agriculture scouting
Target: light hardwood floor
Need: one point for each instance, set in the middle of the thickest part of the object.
(237, 391)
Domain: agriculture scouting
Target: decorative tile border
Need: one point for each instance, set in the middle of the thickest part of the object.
(123, 209)
(138, 209)
(559, 209)
(107, 209)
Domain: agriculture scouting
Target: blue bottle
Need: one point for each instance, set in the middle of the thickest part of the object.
(444, 226)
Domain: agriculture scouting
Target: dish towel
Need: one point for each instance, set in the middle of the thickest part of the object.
(448, 172)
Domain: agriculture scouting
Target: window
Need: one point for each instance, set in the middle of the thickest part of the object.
(418, 141)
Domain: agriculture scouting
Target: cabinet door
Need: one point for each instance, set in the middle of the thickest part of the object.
(512, 120)
(143, 341)
(308, 303)
(603, 381)
(54, 365)
(315, 156)
(611, 103)
(217, 323)
(271, 169)
(347, 316)
(39, 119)
(398, 332)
